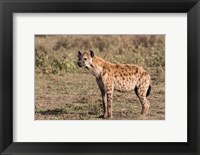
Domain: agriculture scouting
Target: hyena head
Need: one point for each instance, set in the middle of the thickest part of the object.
(85, 59)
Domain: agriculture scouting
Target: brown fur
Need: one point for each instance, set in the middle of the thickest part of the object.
(120, 77)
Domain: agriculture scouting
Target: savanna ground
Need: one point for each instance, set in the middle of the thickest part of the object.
(63, 91)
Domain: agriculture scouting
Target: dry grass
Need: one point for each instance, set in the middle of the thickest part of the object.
(66, 92)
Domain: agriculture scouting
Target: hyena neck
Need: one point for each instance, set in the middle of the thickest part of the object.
(97, 66)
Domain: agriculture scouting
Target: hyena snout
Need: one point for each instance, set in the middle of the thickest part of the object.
(80, 64)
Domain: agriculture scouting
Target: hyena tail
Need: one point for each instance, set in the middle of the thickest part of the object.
(148, 91)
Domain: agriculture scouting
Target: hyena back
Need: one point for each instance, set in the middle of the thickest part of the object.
(120, 77)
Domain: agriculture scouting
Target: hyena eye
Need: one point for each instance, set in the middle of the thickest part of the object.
(85, 58)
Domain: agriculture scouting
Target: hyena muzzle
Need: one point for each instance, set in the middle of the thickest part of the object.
(120, 77)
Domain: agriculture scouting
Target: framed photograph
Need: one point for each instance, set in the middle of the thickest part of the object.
(81, 77)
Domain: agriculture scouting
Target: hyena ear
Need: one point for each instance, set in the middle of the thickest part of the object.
(79, 54)
(91, 53)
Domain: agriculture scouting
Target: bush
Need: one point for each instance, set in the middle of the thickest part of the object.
(58, 54)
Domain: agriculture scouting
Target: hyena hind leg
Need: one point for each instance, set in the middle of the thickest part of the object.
(142, 93)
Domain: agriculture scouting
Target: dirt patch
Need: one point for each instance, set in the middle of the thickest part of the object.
(76, 96)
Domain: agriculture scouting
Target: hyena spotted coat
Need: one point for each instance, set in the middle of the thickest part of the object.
(121, 77)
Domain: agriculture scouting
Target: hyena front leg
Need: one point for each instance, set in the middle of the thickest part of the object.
(141, 93)
(109, 94)
(104, 97)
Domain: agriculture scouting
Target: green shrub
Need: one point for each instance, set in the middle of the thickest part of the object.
(58, 54)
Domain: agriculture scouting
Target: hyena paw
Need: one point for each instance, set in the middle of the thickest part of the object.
(106, 116)
(109, 116)
(144, 112)
(101, 116)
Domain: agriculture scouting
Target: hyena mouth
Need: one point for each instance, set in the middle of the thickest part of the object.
(79, 64)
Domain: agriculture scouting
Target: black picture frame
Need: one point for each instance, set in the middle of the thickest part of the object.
(8, 7)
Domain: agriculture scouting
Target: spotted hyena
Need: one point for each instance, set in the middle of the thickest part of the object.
(121, 77)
